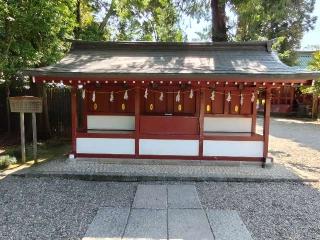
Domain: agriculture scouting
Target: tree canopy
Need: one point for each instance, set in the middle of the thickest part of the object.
(128, 20)
(282, 20)
(32, 34)
(285, 21)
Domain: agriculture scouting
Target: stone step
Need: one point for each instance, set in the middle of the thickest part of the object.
(183, 196)
(162, 212)
(146, 224)
(108, 224)
(163, 197)
(188, 224)
(151, 197)
(227, 225)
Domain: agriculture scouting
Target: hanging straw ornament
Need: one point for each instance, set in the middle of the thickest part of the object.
(125, 96)
(161, 96)
(241, 99)
(229, 97)
(178, 97)
(93, 96)
(83, 93)
(146, 93)
(111, 97)
(212, 95)
(252, 97)
(191, 94)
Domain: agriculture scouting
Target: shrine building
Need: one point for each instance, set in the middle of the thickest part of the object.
(150, 100)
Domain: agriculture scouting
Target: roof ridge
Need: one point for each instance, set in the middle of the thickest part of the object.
(104, 45)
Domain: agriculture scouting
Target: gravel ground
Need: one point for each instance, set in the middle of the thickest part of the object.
(48, 208)
(269, 210)
(45, 208)
(296, 144)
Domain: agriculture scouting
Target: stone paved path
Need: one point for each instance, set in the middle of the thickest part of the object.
(162, 212)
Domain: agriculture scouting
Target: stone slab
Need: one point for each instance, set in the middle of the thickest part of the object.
(227, 225)
(146, 224)
(150, 197)
(188, 224)
(86, 170)
(108, 224)
(183, 196)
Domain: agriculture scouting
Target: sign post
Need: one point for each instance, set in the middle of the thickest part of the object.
(22, 105)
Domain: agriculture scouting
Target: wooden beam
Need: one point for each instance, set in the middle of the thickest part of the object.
(226, 104)
(71, 78)
(266, 122)
(34, 136)
(172, 157)
(23, 142)
(74, 117)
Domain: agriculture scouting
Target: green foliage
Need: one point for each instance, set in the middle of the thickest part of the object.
(200, 10)
(129, 20)
(48, 150)
(283, 20)
(32, 34)
(315, 66)
(315, 62)
(286, 53)
(92, 32)
(6, 160)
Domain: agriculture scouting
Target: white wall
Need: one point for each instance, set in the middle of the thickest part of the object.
(107, 122)
(233, 148)
(106, 145)
(169, 147)
(227, 124)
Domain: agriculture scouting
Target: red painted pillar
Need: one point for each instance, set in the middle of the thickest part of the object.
(201, 120)
(254, 112)
(266, 122)
(137, 119)
(74, 117)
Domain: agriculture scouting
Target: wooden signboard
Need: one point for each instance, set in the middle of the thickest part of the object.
(27, 104)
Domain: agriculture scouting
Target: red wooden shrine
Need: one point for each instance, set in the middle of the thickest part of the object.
(170, 100)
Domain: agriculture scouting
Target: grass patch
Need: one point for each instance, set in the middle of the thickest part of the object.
(6, 161)
(47, 150)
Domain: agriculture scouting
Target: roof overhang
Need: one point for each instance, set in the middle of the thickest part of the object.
(104, 61)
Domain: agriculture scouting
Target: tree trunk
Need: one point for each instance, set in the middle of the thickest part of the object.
(78, 17)
(318, 109)
(8, 109)
(315, 106)
(43, 118)
(107, 16)
(219, 21)
(45, 111)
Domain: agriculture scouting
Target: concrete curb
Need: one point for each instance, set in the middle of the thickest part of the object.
(139, 178)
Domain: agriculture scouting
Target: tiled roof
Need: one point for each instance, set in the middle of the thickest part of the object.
(105, 59)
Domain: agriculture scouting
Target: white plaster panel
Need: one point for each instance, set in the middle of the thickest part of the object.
(111, 122)
(233, 148)
(227, 124)
(169, 147)
(106, 145)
